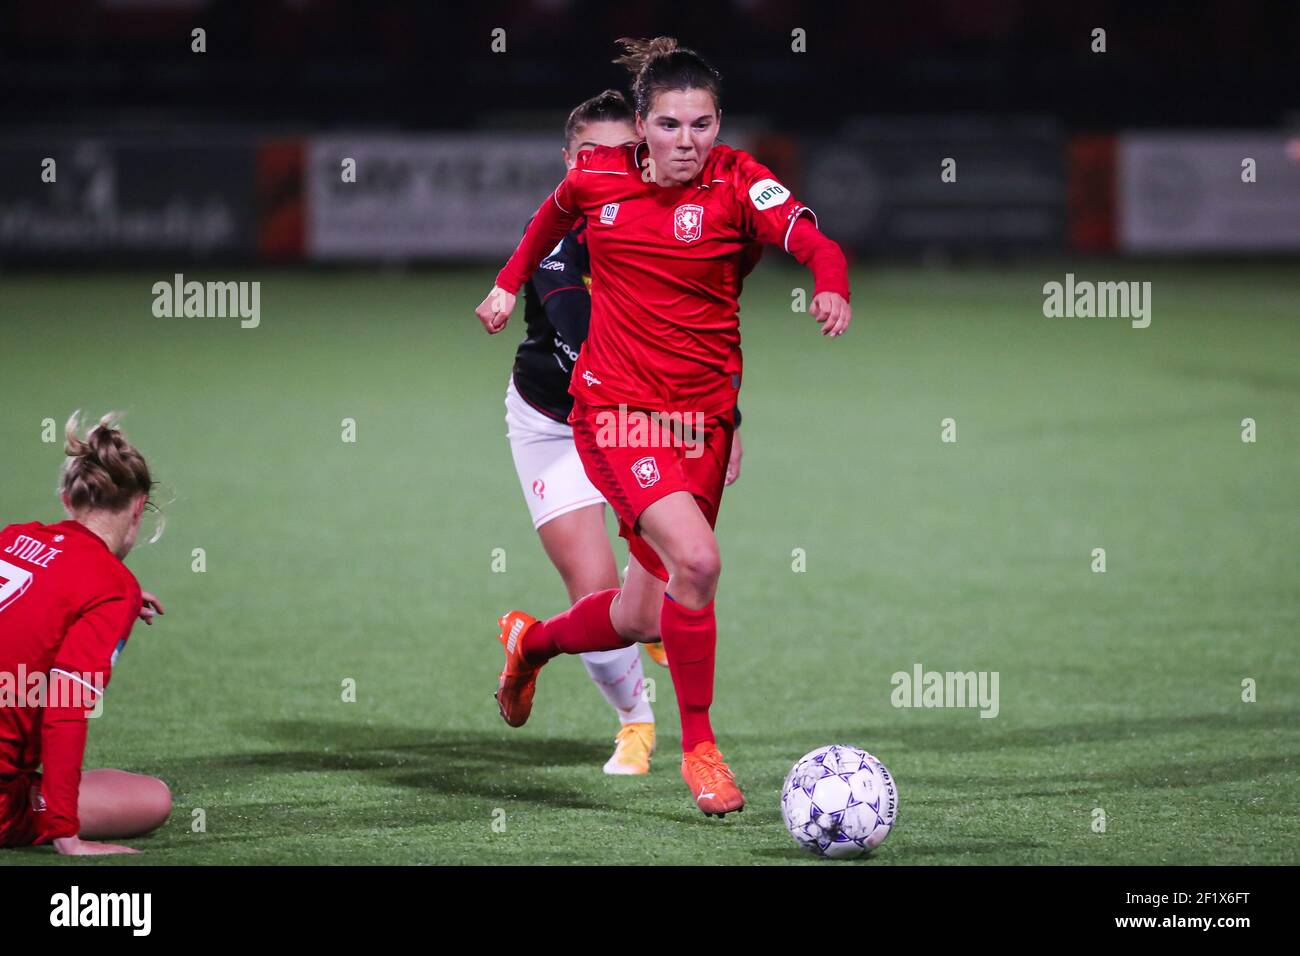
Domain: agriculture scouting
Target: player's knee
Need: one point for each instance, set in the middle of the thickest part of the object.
(155, 802)
(699, 566)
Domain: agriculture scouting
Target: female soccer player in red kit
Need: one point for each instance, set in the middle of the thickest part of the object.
(67, 604)
(668, 224)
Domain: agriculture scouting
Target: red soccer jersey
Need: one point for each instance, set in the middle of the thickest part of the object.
(667, 263)
(67, 605)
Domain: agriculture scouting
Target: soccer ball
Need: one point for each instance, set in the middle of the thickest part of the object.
(839, 802)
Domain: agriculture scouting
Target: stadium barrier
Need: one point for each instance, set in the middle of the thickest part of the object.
(1208, 193)
(897, 187)
(120, 200)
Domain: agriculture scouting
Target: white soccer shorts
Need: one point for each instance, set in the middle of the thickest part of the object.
(550, 472)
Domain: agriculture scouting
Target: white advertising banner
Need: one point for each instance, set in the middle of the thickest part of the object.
(425, 196)
(1206, 192)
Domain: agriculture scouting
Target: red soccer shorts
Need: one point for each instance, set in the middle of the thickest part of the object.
(635, 466)
(17, 815)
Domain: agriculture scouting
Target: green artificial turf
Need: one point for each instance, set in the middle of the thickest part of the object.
(372, 561)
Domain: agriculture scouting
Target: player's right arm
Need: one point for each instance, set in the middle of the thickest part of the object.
(555, 217)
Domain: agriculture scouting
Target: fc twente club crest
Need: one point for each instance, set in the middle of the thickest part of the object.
(688, 222)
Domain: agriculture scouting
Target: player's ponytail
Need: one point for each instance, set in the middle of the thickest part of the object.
(104, 470)
(660, 64)
(607, 107)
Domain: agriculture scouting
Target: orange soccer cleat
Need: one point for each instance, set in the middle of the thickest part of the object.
(518, 679)
(657, 653)
(712, 783)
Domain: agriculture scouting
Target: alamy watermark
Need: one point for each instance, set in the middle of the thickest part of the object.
(1104, 300)
(61, 689)
(922, 688)
(632, 428)
(208, 300)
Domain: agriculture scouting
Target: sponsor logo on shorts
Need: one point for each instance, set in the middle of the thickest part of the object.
(608, 212)
(539, 489)
(688, 222)
(553, 265)
(646, 471)
(767, 193)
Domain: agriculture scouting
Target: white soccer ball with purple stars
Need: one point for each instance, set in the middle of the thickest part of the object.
(839, 802)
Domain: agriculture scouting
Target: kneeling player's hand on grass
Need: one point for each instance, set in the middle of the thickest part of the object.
(75, 846)
(831, 310)
(495, 310)
(151, 607)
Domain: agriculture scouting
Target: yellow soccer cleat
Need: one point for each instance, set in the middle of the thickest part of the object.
(636, 742)
(657, 653)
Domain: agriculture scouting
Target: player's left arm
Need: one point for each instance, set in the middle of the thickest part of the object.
(552, 221)
(768, 212)
(77, 680)
(562, 289)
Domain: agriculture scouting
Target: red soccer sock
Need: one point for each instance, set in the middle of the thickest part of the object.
(691, 640)
(583, 627)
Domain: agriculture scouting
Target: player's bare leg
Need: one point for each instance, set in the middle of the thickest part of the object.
(682, 537)
(115, 805)
(635, 612)
(578, 545)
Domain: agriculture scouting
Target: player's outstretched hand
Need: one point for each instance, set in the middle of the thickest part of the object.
(833, 312)
(495, 310)
(75, 846)
(150, 608)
